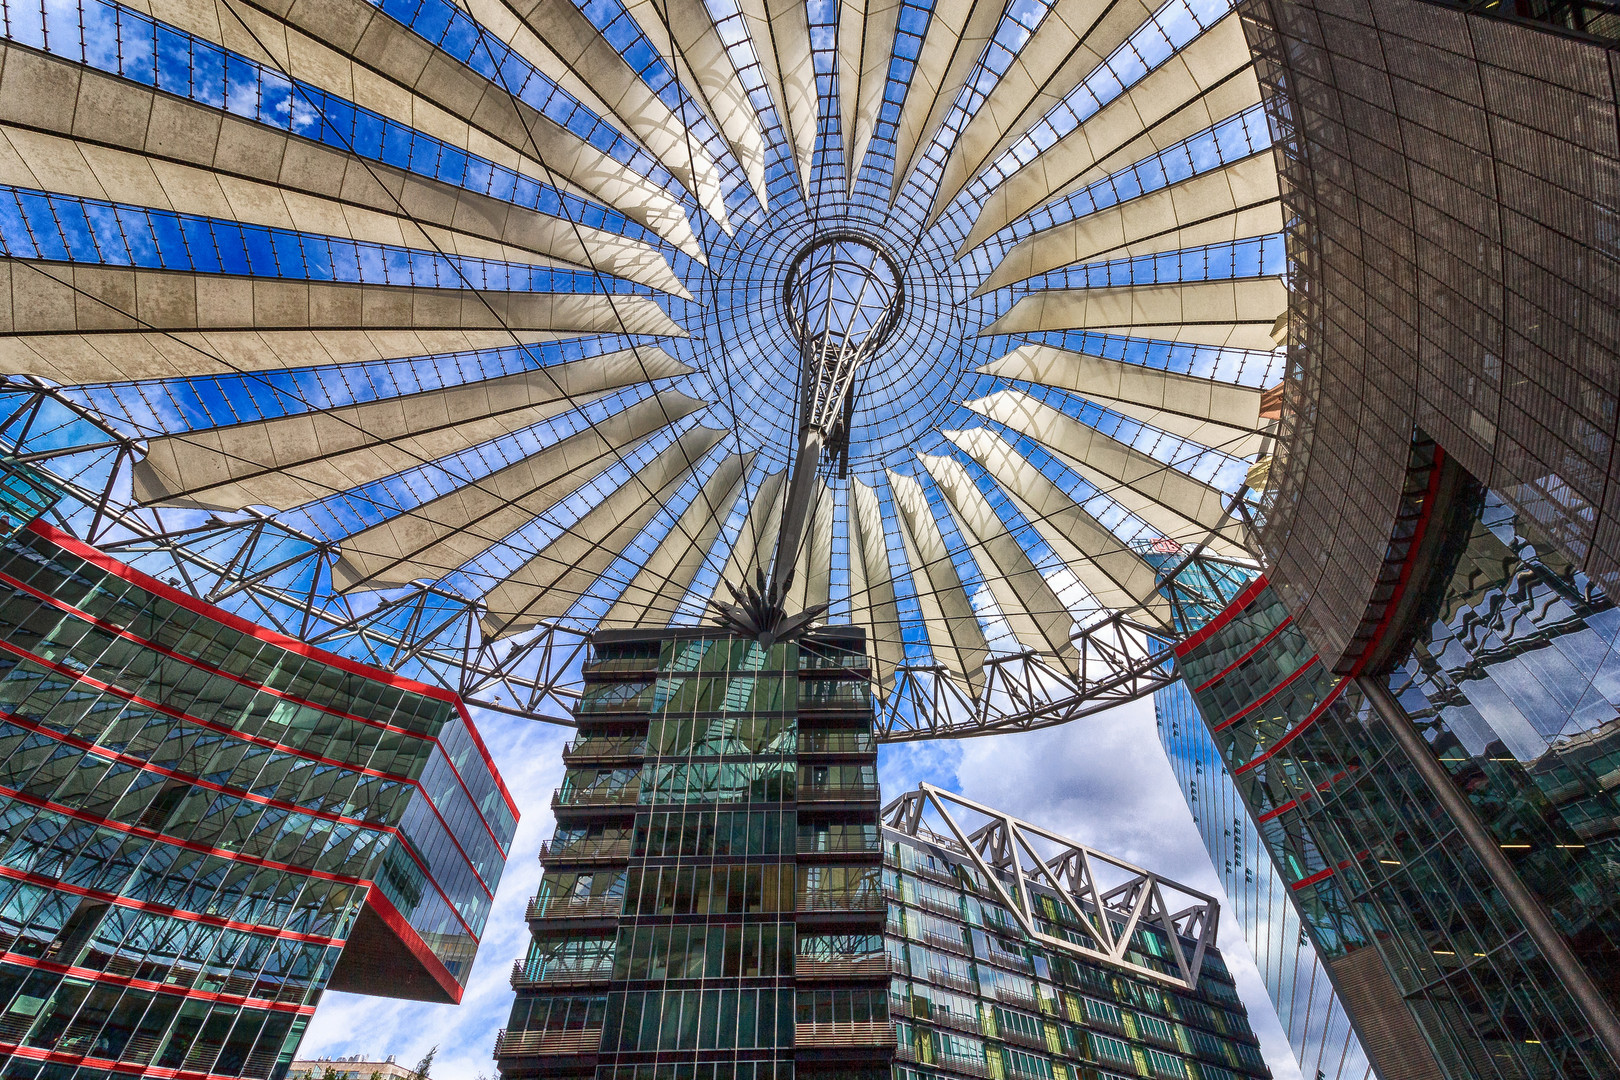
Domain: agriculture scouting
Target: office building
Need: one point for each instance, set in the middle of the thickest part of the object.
(205, 825)
(1020, 954)
(1444, 827)
(712, 904)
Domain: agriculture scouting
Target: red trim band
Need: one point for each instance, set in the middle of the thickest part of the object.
(232, 856)
(35, 1053)
(168, 592)
(1333, 695)
(1291, 803)
(1224, 616)
(93, 975)
(1267, 696)
(259, 740)
(1329, 872)
(1229, 668)
(164, 909)
(396, 922)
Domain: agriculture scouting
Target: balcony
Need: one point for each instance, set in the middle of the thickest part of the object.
(628, 795)
(962, 1066)
(952, 981)
(948, 942)
(1022, 1038)
(574, 907)
(603, 750)
(839, 793)
(835, 901)
(837, 742)
(586, 851)
(872, 967)
(523, 975)
(542, 1043)
(857, 1033)
(827, 844)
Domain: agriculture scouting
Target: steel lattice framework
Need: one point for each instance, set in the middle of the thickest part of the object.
(1107, 896)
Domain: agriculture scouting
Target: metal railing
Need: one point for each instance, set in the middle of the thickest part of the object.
(834, 901)
(865, 968)
(841, 845)
(527, 975)
(619, 796)
(857, 1033)
(586, 849)
(582, 1041)
(596, 749)
(839, 793)
(573, 907)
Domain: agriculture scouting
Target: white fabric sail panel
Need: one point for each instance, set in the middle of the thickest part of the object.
(1210, 79)
(442, 534)
(958, 31)
(871, 589)
(1233, 314)
(954, 635)
(259, 175)
(812, 568)
(562, 34)
(552, 581)
(1038, 618)
(863, 73)
(654, 595)
(684, 35)
(751, 552)
(290, 460)
(57, 298)
(355, 47)
(1213, 413)
(1180, 507)
(780, 31)
(1074, 38)
(119, 357)
(1234, 202)
(1116, 576)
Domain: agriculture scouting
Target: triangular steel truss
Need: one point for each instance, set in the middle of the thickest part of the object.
(1110, 898)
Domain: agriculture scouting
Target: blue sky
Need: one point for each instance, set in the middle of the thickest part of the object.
(1103, 780)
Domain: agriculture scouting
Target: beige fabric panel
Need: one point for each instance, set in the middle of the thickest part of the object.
(350, 42)
(1235, 202)
(872, 599)
(1116, 576)
(1038, 618)
(1234, 314)
(289, 460)
(450, 531)
(1180, 507)
(118, 357)
(58, 298)
(954, 634)
(757, 537)
(655, 593)
(353, 199)
(812, 569)
(1216, 414)
(700, 59)
(956, 36)
(1075, 37)
(780, 30)
(1209, 80)
(560, 41)
(870, 66)
(554, 579)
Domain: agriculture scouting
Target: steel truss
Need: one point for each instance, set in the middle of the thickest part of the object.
(1109, 898)
(266, 570)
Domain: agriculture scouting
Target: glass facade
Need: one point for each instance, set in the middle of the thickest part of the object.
(204, 824)
(712, 903)
(1258, 897)
(1508, 675)
(974, 996)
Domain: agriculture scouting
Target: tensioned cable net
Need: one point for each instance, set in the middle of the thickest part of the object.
(440, 334)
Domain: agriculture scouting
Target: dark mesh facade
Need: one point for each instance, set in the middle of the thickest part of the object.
(1452, 181)
(974, 996)
(1508, 678)
(712, 904)
(204, 824)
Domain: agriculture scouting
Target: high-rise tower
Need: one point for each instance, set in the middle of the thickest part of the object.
(712, 905)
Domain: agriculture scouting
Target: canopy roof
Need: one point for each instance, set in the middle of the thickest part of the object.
(445, 332)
